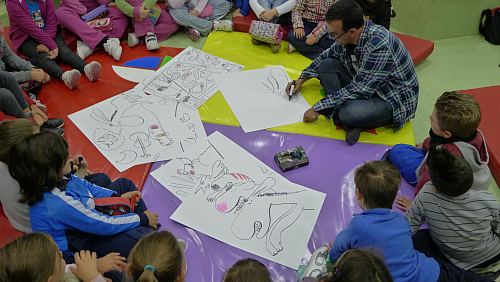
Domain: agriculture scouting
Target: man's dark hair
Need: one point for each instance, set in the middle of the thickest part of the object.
(451, 175)
(348, 11)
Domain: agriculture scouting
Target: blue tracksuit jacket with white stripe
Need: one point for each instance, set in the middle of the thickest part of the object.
(74, 208)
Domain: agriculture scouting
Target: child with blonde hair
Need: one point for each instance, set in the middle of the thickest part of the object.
(158, 256)
(36, 258)
(247, 270)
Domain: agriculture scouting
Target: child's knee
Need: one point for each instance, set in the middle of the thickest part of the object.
(125, 184)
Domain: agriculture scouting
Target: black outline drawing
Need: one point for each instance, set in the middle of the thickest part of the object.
(141, 140)
(235, 193)
(277, 80)
(129, 156)
(107, 140)
(189, 78)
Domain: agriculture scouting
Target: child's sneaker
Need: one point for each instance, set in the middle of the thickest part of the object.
(83, 50)
(193, 34)
(132, 40)
(92, 71)
(290, 48)
(71, 78)
(151, 41)
(317, 264)
(223, 25)
(113, 48)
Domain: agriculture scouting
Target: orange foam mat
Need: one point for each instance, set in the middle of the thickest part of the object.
(61, 102)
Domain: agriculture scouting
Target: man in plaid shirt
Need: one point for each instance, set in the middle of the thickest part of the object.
(368, 75)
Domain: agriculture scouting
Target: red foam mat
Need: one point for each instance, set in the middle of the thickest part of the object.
(489, 99)
(62, 102)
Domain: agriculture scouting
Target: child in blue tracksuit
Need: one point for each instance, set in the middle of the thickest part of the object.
(64, 207)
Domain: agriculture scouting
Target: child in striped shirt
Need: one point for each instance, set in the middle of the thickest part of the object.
(310, 32)
(464, 224)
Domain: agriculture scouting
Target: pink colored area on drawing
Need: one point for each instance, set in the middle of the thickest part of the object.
(221, 207)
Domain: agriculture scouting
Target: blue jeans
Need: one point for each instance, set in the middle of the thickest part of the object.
(360, 113)
(406, 159)
(310, 51)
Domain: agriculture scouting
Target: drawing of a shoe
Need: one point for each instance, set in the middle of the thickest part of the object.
(157, 133)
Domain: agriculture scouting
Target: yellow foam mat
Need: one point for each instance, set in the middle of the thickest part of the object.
(237, 47)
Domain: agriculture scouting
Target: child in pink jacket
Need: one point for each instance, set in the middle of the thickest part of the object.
(69, 16)
(33, 31)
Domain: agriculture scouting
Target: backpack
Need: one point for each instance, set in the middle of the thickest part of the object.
(489, 25)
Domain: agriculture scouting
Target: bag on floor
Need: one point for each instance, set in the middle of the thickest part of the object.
(489, 26)
(266, 32)
(114, 205)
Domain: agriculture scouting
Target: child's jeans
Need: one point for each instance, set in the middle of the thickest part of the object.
(11, 96)
(310, 51)
(41, 60)
(203, 25)
(406, 159)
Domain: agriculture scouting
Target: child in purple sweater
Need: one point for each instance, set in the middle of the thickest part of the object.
(33, 31)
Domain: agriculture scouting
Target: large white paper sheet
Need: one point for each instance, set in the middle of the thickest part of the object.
(189, 77)
(232, 196)
(133, 128)
(132, 74)
(258, 99)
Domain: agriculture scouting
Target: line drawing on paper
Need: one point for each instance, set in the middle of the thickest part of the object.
(128, 156)
(276, 82)
(241, 197)
(189, 78)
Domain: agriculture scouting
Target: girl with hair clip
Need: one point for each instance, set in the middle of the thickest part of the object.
(159, 256)
(36, 258)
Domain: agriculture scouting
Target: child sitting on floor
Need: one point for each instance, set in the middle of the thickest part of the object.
(271, 10)
(378, 227)
(158, 256)
(464, 224)
(310, 33)
(33, 31)
(150, 22)
(357, 265)
(63, 205)
(188, 13)
(247, 270)
(242, 8)
(36, 258)
(454, 125)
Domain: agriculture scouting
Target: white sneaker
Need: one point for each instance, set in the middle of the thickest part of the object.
(151, 41)
(223, 25)
(71, 78)
(132, 40)
(83, 50)
(113, 48)
(92, 71)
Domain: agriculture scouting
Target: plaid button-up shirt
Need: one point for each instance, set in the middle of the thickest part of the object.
(382, 66)
(313, 11)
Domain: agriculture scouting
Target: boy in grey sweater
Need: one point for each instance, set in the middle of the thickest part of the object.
(463, 223)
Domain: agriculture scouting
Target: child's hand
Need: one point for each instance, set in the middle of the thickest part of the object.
(312, 39)
(40, 48)
(299, 32)
(194, 12)
(36, 111)
(143, 13)
(268, 15)
(403, 203)
(53, 54)
(111, 261)
(39, 75)
(86, 266)
(132, 194)
(153, 218)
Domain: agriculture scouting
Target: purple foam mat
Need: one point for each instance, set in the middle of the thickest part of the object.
(331, 169)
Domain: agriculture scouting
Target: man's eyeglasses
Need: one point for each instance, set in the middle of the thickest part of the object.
(334, 36)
